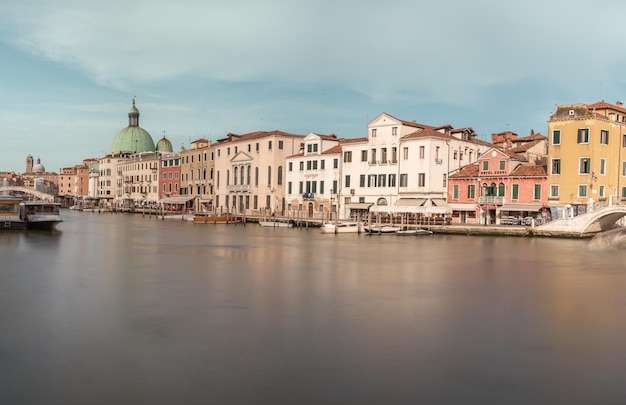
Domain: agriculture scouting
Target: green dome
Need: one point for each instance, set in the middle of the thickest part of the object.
(133, 138)
(164, 145)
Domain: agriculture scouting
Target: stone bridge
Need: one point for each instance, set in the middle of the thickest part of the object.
(599, 220)
(12, 190)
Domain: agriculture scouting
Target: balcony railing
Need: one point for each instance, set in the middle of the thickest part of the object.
(491, 200)
(308, 196)
(239, 188)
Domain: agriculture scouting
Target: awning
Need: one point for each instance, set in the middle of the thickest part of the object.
(176, 200)
(462, 207)
(359, 206)
(439, 202)
(520, 207)
(399, 209)
(411, 201)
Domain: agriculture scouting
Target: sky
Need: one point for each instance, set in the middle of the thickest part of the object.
(205, 68)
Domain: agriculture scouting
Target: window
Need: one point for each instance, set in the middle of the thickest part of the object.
(624, 141)
(334, 190)
(556, 137)
(301, 165)
(554, 191)
(335, 163)
(322, 164)
(502, 165)
(280, 175)
(404, 180)
(381, 180)
(582, 190)
(601, 192)
(383, 155)
(422, 152)
(537, 192)
(471, 191)
(556, 166)
(256, 147)
(290, 166)
(623, 192)
(289, 187)
(347, 156)
(392, 180)
(421, 179)
(624, 168)
(322, 187)
(455, 192)
(602, 166)
(347, 181)
(584, 165)
(315, 165)
(373, 156)
(515, 192)
(583, 135)
(309, 148)
(301, 188)
(371, 180)
(280, 146)
(373, 132)
(364, 156)
(501, 190)
(405, 152)
(604, 137)
(394, 130)
(485, 165)
(308, 165)
(362, 180)
(269, 175)
(269, 145)
(394, 154)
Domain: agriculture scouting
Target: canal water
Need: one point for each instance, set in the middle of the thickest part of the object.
(120, 308)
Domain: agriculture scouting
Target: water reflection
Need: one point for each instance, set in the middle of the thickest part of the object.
(121, 308)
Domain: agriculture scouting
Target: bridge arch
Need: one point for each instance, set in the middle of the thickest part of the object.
(603, 219)
(13, 190)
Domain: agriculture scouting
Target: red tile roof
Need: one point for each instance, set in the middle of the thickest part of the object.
(529, 171)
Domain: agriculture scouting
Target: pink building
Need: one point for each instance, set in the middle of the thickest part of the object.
(502, 188)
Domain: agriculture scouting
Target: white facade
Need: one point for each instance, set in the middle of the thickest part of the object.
(138, 180)
(313, 178)
(250, 171)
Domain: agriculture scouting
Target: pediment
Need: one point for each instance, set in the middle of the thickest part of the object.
(241, 157)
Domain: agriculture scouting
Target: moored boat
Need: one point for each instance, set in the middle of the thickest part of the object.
(414, 232)
(10, 213)
(225, 218)
(381, 229)
(40, 214)
(342, 227)
(277, 223)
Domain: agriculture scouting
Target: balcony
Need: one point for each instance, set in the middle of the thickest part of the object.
(491, 200)
(239, 188)
(308, 196)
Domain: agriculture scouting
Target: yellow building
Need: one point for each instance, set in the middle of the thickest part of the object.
(587, 155)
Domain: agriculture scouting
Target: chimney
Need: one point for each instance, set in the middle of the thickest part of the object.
(620, 103)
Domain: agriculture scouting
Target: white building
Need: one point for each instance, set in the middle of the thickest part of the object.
(313, 177)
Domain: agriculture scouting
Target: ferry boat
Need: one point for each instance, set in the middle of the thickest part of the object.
(10, 213)
(40, 214)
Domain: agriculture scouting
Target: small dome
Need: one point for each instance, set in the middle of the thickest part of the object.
(164, 145)
(39, 168)
(182, 148)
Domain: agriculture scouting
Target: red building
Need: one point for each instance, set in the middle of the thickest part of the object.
(502, 188)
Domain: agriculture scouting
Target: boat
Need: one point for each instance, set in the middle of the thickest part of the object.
(414, 232)
(40, 214)
(381, 229)
(10, 217)
(225, 218)
(275, 223)
(342, 227)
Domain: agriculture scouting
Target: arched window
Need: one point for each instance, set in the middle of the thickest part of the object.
(243, 169)
(280, 176)
(227, 177)
(235, 175)
(381, 201)
(248, 179)
(256, 176)
(493, 190)
(501, 190)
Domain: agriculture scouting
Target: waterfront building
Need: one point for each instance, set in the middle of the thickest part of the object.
(404, 163)
(38, 178)
(586, 156)
(313, 177)
(138, 180)
(196, 173)
(250, 171)
(74, 181)
(503, 187)
(115, 187)
(169, 178)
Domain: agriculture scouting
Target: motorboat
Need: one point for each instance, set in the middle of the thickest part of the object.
(342, 227)
(225, 218)
(40, 214)
(277, 223)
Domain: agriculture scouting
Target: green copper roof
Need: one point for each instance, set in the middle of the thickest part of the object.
(164, 145)
(132, 139)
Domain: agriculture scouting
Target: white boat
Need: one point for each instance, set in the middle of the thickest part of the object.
(277, 223)
(10, 217)
(381, 229)
(40, 214)
(342, 227)
(414, 232)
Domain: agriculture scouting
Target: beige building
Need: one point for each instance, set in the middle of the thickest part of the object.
(250, 171)
(196, 174)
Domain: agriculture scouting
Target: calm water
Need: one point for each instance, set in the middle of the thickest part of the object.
(125, 309)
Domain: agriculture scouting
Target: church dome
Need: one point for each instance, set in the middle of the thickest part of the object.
(39, 168)
(182, 148)
(133, 138)
(164, 145)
